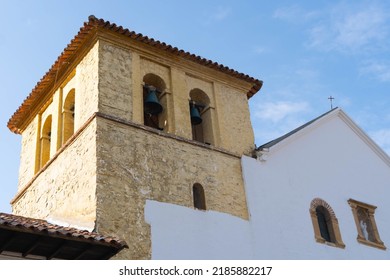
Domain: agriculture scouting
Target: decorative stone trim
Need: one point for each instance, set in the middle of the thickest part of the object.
(367, 229)
(333, 224)
(319, 202)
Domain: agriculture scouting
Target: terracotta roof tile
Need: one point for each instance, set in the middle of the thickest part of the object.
(41, 226)
(89, 28)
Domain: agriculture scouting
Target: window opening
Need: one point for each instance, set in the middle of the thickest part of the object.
(200, 115)
(199, 197)
(325, 224)
(368, 233)
(68, 116)
(45, 141)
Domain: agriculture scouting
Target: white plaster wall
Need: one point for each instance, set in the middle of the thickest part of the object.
(329, 161)
(183, 233)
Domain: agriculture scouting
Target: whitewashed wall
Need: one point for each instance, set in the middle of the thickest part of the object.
(331, 159)
(182, 233)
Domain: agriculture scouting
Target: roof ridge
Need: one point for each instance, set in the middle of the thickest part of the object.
(292, 132)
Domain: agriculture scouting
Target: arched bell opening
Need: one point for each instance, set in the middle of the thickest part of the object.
(200, 115)
(68, 115)
(46, 140)
(154, 101)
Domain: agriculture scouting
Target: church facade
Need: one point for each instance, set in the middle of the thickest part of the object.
(130, 137)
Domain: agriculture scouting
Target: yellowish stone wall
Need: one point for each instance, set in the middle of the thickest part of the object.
(28, 153)
(115, 84)
(115, 163)
(66, 188)
(85, 83)
(87, 86)
(134, 164)
(65, 191)
(233, 113)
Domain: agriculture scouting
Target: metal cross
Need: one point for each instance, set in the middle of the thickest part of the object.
(331, 98)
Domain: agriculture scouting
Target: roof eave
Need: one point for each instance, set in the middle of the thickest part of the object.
(18, 119)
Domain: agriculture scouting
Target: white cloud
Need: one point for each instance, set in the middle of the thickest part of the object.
(379, 69)
(222, 13)
(216, 15)
(259, 50)
(294, 14)
(349, 28)
(277, 111)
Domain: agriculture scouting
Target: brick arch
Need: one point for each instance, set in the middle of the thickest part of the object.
(331, 222)
(320, 202)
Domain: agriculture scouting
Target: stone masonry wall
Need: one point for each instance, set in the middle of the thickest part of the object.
(115, 87)
(234, 116)
(27, 154)
(65, 191)
(87, 81)
(135, 164)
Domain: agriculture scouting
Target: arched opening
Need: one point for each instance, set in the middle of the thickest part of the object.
(68, 115)
(325, 224)
(155, 102)
(200, 114)
(45, 140)
(199, 197)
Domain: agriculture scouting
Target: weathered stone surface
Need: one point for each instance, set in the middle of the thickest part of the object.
(28, 153)
(113, 164)
(134, 165)
(65, 191)
(235, 124)
(115, 87)
(87, 86)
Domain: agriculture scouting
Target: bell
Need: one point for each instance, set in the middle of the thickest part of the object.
(195, 115)
(151, 104)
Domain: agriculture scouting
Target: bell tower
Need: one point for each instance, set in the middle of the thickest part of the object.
(120, 119)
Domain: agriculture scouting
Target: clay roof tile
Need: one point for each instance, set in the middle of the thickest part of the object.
(93, 24)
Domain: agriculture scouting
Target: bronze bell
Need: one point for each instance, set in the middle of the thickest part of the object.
(195, 115)
(151, 104)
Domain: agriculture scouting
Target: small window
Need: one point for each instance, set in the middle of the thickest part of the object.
(363, 214)
(199, 198)
(325, 224)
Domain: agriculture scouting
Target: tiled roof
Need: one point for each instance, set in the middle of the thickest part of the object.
(64, 239)
(88, 30)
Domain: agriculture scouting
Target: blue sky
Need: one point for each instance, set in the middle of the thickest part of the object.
(304, 51)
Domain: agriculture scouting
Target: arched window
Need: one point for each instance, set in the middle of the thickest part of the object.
(68, 114)
(155, 102)
(200, 114)
(45, 141)
(325, 224)
(199, 197)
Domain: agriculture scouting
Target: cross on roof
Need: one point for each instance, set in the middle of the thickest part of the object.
(331, 98)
